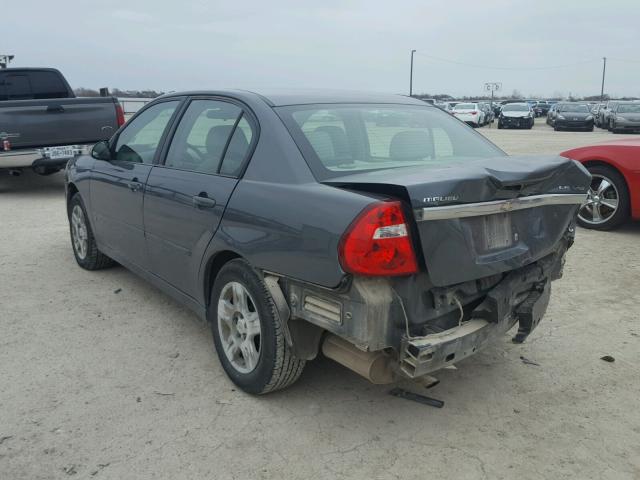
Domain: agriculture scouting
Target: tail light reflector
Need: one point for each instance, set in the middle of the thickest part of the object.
(377, 243)
(119, 115)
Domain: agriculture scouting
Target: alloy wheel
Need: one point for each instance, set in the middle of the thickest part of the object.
(239, 327)
(79, 232)
(602, 201)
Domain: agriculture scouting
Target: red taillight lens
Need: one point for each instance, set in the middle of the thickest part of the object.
(377, 243)
(473, 113)
(119, 115)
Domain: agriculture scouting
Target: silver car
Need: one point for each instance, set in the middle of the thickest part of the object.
(625, 116)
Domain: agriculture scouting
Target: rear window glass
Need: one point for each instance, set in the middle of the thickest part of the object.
(30, 85)
(354, 138)
(465, 106)
(15, 86)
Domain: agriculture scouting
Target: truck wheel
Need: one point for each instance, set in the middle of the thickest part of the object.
(82, 240)
(607, 204)
(247, 332)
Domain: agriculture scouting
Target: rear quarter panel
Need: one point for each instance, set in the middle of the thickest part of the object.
(623, 158)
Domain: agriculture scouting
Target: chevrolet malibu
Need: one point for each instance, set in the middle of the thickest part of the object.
(376, 229)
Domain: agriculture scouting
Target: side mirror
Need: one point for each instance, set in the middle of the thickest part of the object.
(101, 151)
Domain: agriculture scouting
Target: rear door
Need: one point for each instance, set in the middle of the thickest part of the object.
(186, 195)
(117, 186)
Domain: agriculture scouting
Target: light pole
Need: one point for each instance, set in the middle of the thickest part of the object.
(604, 69)
(411, 75)
(492, 86)
(4, 60)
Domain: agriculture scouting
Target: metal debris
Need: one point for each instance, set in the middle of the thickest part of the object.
(432, 402)
(526, 361)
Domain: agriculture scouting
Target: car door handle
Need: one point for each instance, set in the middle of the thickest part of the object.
(202, 201)
(55, 109)
(134, 185)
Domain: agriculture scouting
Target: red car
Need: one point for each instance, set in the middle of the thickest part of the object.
(614, 196)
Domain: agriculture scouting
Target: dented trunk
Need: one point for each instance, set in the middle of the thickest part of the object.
(485, 216)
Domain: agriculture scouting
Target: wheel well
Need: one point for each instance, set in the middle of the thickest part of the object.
(71, 191)
(213, 268)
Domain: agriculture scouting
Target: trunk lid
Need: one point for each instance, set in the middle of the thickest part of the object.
(484, 216)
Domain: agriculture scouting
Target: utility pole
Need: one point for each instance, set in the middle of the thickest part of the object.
(4, 60)
(411, 75)
(604, 69)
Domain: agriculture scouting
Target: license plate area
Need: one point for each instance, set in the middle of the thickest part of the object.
(492, 232)
(60, 153)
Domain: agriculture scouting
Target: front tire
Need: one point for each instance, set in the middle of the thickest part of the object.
(83, 242)
(607, 204)
(247, 332)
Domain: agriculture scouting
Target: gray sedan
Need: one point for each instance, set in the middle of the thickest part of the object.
(374, 228)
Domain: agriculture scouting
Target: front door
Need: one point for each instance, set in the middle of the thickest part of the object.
(117, 186)
(186, 196)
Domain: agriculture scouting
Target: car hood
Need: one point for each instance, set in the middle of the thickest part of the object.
(575, 115)
(519, 114)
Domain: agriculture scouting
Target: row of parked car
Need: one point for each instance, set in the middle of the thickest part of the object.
(617, 116)
(477, 114)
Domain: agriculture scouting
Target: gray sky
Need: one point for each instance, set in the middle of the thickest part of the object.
(350, 44)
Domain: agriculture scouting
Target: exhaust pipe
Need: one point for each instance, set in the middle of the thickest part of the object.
(374, 366)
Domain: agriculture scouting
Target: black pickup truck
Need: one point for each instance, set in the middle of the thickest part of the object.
(43, 124)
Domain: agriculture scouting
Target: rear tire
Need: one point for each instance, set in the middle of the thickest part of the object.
(83, 242)
(621, 215)
(241, 305)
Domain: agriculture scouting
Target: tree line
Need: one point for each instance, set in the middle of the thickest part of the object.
(116, 92)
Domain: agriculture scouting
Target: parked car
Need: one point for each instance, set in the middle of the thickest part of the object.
(42, 124)
(299, 222)
(625, 117)
(516, 115)
(541, 108)
(614, 195)
(470, 113)
(573, 116)
(551, 114)
(603, 113)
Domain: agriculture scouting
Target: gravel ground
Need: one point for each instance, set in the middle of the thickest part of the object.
(103, 376)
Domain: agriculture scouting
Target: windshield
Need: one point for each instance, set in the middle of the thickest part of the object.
(574, 108)
(634, 108)
(336, 139)
(515, 108)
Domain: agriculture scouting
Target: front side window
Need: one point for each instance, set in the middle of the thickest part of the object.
(139, 140)
(213, 137)
(353, 138)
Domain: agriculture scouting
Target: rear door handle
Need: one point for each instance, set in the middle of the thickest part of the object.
(55, 109)
(134, 185)
(202, 201)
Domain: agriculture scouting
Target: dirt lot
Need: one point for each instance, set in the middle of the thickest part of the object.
(102, 376)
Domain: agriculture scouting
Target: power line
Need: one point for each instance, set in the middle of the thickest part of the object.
(489, 67)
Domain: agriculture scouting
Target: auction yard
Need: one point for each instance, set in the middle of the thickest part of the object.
(102, 376)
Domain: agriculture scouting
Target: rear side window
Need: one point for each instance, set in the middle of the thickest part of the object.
(47, 85)
(212, 138)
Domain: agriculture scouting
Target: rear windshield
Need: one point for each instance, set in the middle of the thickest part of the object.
(574, 108)
(338, 139)
(465, 106)
(635, 108)
(515, 108)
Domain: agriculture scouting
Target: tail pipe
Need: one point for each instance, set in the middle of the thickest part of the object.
(374, 366)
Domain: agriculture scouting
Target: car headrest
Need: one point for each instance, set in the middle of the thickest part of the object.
(410, 145)
(330, 144)
(216, 140)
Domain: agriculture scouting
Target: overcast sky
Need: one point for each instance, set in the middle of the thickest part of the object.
(351, 44)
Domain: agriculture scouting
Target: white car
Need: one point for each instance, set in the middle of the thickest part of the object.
(470, 113)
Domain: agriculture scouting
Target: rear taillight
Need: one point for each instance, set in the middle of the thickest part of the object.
(473, 113)
(377, 243)
(119, 115)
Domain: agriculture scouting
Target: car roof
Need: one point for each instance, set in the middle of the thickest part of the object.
(282, 97)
